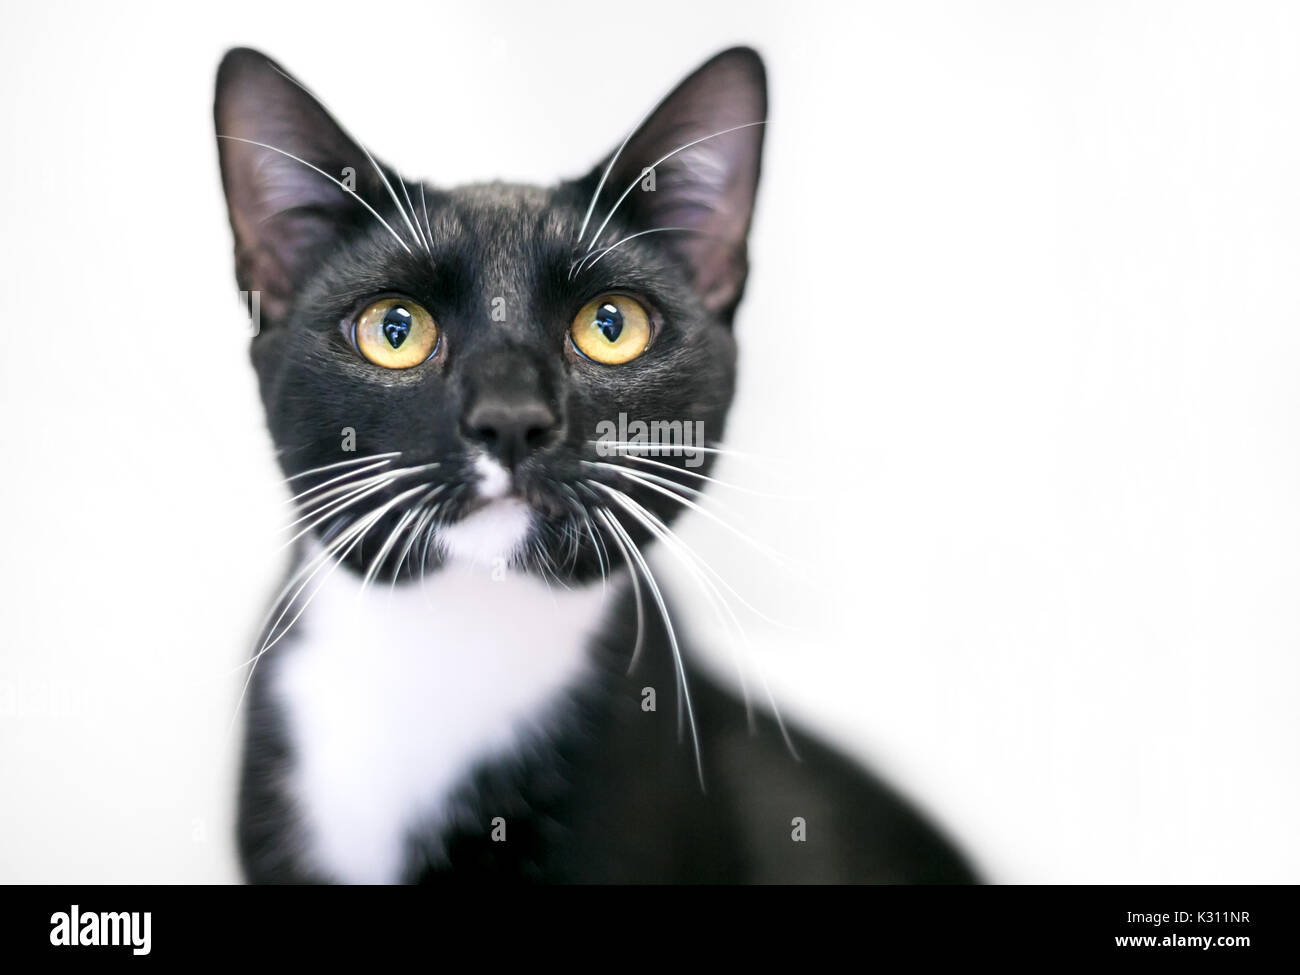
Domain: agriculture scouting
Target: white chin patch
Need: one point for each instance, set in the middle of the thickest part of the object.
(495, 531)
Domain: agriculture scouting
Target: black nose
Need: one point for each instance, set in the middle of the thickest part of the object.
(510, 432)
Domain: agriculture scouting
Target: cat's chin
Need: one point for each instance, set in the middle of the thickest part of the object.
(491, 534)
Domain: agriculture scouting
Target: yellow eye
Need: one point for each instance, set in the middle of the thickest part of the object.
(611, 329)
(395, 333)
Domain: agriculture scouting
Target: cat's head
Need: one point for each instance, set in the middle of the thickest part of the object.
(446, 372)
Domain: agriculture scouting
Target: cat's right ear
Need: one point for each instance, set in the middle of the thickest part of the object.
(291, 176)
(695, 161)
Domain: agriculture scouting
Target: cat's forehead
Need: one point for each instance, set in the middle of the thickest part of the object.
(504, 229)
(503, 209)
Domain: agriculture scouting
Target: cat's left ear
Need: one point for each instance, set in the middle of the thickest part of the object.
(694, 164)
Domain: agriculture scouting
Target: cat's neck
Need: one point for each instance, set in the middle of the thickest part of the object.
(393, 694)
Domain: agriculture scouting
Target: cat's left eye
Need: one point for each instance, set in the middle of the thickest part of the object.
(612, 329)
(395, 333)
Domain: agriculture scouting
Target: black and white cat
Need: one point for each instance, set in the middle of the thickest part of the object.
(456, 680)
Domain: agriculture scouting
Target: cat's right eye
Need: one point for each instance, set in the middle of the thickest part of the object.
(395, 333)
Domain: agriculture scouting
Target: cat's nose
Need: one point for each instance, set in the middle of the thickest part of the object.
(511, 431)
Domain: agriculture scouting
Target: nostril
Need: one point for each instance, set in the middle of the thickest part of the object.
(536, 436)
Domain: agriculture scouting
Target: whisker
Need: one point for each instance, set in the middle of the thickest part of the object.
(377, 562)
(640, 608)
(601, 554)
(339, 477)
(340, 463)
(754, 543)
(613, 524)
(367, 487)
(654, 527)
(356, 534)
(668, 483)
(633, 185)
(330, 545)
(609, 167)
(425, 513)
(686, 554)
(425, 207)
(714, 480)
(356, 196)
(718, 576)
(644, 447)
(411, 206)
(576, 267)
(360, 145)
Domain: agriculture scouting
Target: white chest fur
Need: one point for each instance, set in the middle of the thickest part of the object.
(391, 696)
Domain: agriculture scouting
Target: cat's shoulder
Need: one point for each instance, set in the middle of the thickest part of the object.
(811, 813)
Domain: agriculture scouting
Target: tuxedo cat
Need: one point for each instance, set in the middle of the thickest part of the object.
(471, 671)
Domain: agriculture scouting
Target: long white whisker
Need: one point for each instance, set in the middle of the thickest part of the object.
(350, 537)
(609, 168)
(576, 267)
(267, 627)
(378, 561)
(363, 489)
(601, 553)
(754, 543)
(717, 575)
(678, 448)
(356, 533)
(668, 482)
(633, 185)
(369, 486)
(389, 186)
(686, 554)
(356, 196)
(712, 480)
(411, 206)
(640, 608)
(346, 475)
(659, 530)
(360, 145)
(340, 463)
(425, 207)
(425, 515)
(613, 524)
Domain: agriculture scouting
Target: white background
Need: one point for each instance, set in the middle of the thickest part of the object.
(1022, 316)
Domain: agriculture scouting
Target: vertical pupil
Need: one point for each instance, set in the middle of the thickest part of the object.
(396, 325)
(610, 322)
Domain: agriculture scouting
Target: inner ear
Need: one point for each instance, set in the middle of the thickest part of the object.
(689, 174)
(296, 183)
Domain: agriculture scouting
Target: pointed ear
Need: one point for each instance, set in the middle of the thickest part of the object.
(295, 182)
(704, 144)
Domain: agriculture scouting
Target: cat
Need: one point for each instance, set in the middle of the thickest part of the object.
(471, 672)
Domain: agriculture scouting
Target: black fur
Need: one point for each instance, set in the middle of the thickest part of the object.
(609, 794)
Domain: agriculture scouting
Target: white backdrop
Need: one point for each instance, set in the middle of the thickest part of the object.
(1023, 308)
